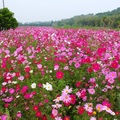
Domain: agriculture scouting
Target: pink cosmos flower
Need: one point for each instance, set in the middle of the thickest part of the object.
(46, 101)
(91, 91)
(81, 110)
(66, 68)
(67, 90)
(19, 115)
(24, 89)
(3, 65)
(65, 98)
(7, 77)
(11, 90)
(111, 81)
(54, 112)
(58, 118)
(83, 93)
(56, 67)
(108, 110)
(21, 78)
(113, 74)
(78, 94)
(57, 106)
(78, 83)
(92, 80)
(114, 64)
(35, 108)
(96, 67)
(4, 117)
(39, 66)
(100, 51)
(106, 103)
(84, 98)
(27, 69)
(40, 85)
(99, 107)
(59, 74)
(69, 53)
(88, 107)
(28, 95)
(73, 99)
(77, 65)
(57, 99)
(8, 99)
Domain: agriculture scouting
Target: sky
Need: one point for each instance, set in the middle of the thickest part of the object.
(47, 10)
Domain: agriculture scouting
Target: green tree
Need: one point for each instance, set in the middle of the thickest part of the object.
(7, 20)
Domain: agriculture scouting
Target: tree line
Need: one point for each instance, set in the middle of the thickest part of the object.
(106, 19)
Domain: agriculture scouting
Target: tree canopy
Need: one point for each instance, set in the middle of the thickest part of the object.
(7, 19)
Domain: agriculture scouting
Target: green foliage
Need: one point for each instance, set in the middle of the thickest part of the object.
(7, 20)
(108, 19)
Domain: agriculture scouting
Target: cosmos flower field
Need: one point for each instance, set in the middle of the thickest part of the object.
(59, 74)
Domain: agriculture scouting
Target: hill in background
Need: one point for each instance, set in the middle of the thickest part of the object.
(106, 19)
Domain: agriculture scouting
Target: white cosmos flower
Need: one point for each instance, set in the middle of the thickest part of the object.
(17, 96)
(48, 86)
(31, 71)
(4, 83)
(33, 85)
(14, 82)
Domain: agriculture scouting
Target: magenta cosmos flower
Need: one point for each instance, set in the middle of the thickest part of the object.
(59, 74)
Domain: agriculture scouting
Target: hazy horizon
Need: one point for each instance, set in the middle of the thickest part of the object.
(38, 10)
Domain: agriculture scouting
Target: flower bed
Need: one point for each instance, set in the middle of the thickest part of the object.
(59, 74)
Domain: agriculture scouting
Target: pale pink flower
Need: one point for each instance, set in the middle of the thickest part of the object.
(93, 118)
(91, 91)
(67, 90)
(58, 118)
(84, 98)
(39, 66)
(77, 65)
(64, 54)
(57, 106)
(99, 107)
(69, 53)
(56, 67)
(78, 94)
(8, 99)
(21, 78)
(111, 80)
(92, 80)
(57, 99)
(113, 74)
(88, 107)
(107, 109)
(54, 112)
(104, 89)
(65, 98)
(66, 68)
